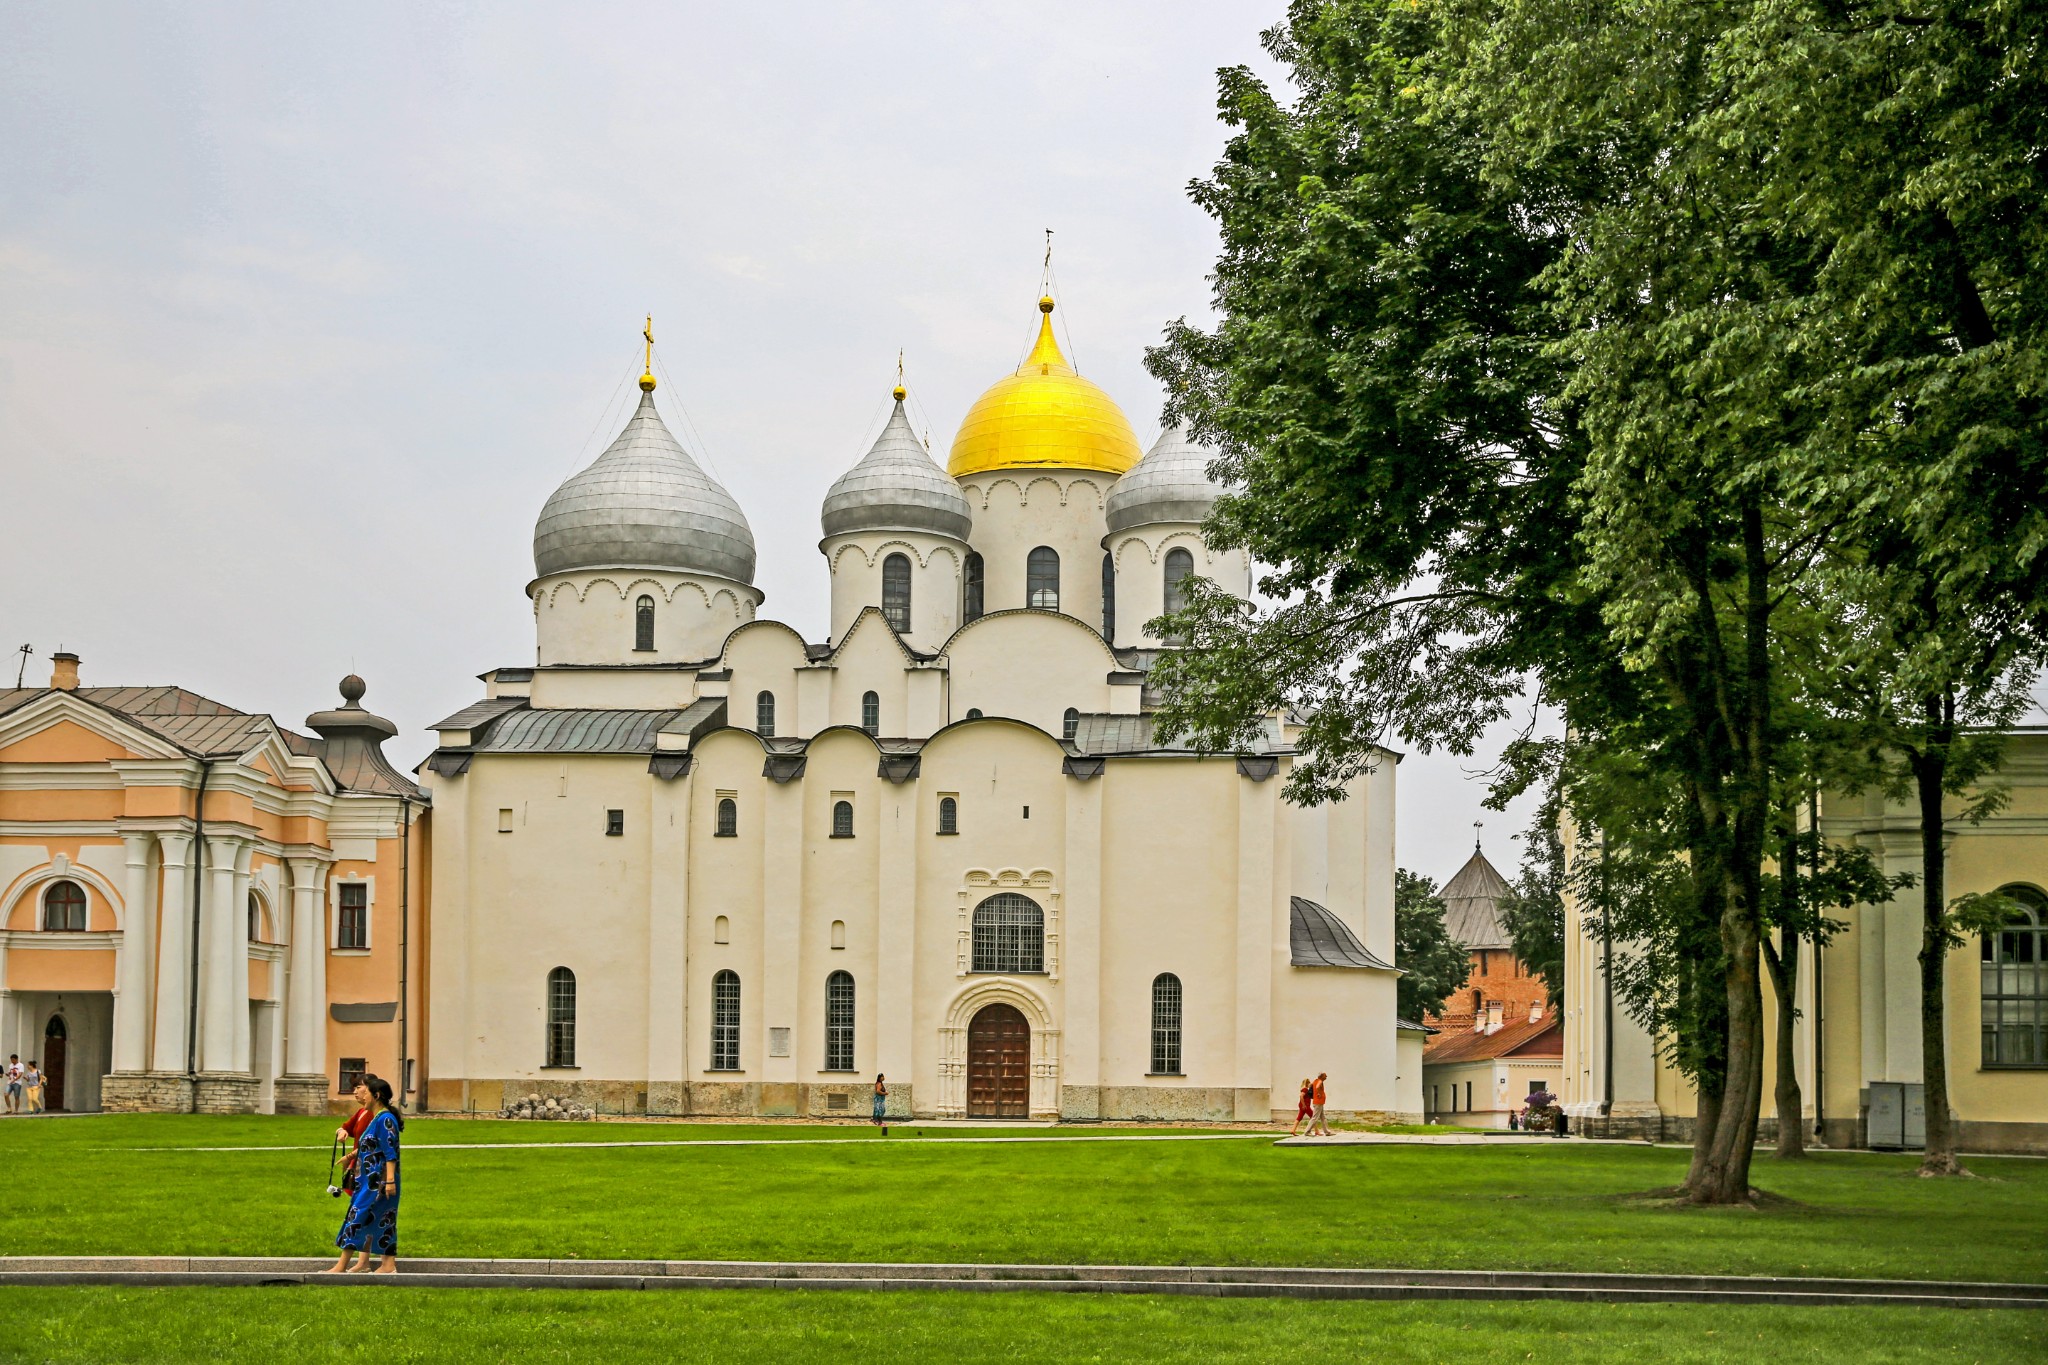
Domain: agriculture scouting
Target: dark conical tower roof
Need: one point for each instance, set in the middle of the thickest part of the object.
(1472, 905)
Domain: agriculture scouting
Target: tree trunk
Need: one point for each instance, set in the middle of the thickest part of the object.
(1723, 1177)
(1930, 771)
(1784, 968)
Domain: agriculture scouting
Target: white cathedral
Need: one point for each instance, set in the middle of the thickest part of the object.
(689, 862)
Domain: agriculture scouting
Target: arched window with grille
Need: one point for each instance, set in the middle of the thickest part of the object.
(896, 591)
(728, 818)
(643, 624)
(949, 815)
(2015, 983)
(1166, 1024)
(725, 1022)
(1109, 597)
(839, 1022)
(970, 588)
(871, 712)
(842, 819)
(561, 1017)
(1042, 579)
(764, 715)
(1070, 724)
(1179, 564)
(64, 907)
(1009, 934)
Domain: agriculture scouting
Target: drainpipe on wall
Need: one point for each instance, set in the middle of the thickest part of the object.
(404, 924)
(198, 890)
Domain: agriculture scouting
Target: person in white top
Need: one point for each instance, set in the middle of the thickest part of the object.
(14, 1082)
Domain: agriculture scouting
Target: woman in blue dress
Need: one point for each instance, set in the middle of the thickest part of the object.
(372, 1221)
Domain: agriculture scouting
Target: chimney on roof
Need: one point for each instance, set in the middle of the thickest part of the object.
(64, 671)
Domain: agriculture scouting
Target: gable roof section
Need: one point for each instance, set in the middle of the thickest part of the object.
(1472, 905)
(1543, 1038)
(198, 726)
(1317, 938)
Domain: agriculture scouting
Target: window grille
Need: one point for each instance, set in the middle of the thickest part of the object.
(1009, 934)
(64, 906)
(353, 1069)
(352, 927)
(725, 1022)
(842, 819)
(643, 624)
(1070, 723)
(1166, 1024)
(561, 1017)
(1042, 579)
(970, 588)
(871, 713)
(1109, 597)
(1179, 564)
(896, 591)
(949, 815)
(839, 1022)
(764, 715)
(2015, 984)
(728, 818)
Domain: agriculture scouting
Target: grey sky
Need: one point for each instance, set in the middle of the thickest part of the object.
(305, 310)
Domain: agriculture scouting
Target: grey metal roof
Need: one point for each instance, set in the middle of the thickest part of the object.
(1100, 733)
(1317, 938)
(479, 713)
(897, 487)
(1472, 905)
(575, 732)
(1171, 483)
(645, 504)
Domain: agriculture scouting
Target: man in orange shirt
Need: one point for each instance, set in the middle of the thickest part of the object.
(1317, 1122)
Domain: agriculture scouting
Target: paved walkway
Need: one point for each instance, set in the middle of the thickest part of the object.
(1214, 1281)
(744, 1142)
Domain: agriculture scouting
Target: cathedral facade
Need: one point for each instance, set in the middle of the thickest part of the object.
(689, 862)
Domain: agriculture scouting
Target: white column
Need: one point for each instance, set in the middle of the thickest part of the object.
(132, 1003)
(306, 985)
(238, 972)
(220, 935)
(174, 954)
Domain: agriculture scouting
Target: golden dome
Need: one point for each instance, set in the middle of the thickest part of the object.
(1044, 415)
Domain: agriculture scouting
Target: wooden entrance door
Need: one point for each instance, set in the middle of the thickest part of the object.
(998, 1064)
(54, 1038)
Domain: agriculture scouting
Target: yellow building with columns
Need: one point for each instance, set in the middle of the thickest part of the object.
(203, 910)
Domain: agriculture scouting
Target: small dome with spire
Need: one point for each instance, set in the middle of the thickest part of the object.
(644, 504)
(1171, 483)
(897, 487)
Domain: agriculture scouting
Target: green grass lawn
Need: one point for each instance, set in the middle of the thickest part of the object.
(94, 1186)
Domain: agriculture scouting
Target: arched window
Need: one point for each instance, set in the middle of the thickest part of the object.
(2015, 977)
(728, 818)
(896, 591)
(1042, 579)
(64, 906)
(1109, 597)
(255, 918)
(1070, 723)
(764, 715)
(721, 930)
(1166, 1024)
(970, 588)
(839, 1022)
(725, 1022)
(949, 815)
(561, 1017)
(1179, 564)
(842, 819)
(1009, 934)
(643, 623)
(871, 713)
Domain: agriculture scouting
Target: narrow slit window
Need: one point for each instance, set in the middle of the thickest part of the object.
(896, 592)
(764, 715)
(643, 624)
(970, 588)
(725, 1022)
(1070, 724)
(1166, 1024)
(1109, 597)
(871, 713)
(1042, 579)
(561, 1017)
(839, 1022)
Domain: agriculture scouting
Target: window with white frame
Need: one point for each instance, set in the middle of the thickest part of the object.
(725, 1021)
(839, 1022)
(352, 915)
(1166, 1025)
(561, 1017)
(64, 907)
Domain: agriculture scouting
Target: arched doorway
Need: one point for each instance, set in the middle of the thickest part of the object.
(998, 1064)
(55, 1035)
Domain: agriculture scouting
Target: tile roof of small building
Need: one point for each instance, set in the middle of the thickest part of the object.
(1539, 1038)
(1317, 938)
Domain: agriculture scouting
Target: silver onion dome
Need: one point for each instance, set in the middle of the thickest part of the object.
(1171, 483)
(897, 487)
(644, 504)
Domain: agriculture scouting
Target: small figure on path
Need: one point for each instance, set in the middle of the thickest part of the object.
(1305, 1107)
(32, 1084)
(882, 1102)
(1514, 1120)
(371, 1224)
(1318, 1097)
(14, 1082)
(351, 1132)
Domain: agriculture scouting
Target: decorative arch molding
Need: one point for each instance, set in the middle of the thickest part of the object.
(628, 588)
(969, 1001)
(1022, 486)
(872, 557)
(1156, 551)
(30, 884)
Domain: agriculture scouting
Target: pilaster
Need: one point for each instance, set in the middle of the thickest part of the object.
(670, 831)
(133, 1004)
(306, 979)
(174, 955)
(219, 938)
(782, 899)
(1081, 962)
(1261, 934)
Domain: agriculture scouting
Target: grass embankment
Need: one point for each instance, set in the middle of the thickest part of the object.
(94, 1186)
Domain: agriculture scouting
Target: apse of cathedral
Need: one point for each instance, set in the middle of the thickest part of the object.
(690, 862)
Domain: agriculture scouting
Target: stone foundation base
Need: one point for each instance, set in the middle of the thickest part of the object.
(226, 1092)
(302, 1094)
(146, 1092)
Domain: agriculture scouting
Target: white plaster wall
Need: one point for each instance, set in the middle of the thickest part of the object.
(587, 617)
(1069, 665)
(1141, 574)
(1017, 510)
(855, 562)
(631, 689)
(766, 657)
